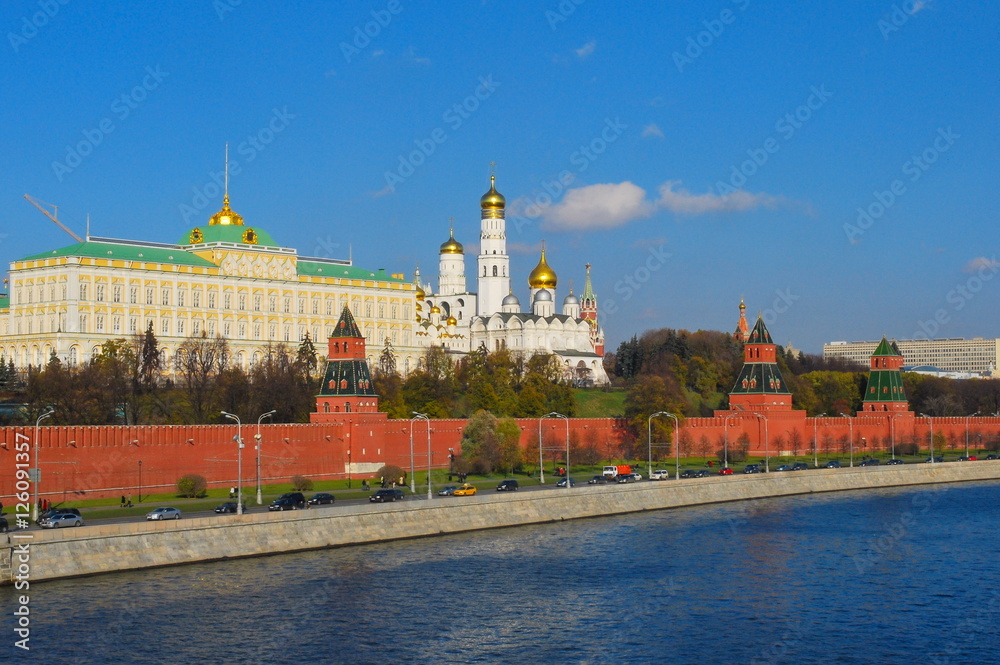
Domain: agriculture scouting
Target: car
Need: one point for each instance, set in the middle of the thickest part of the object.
(636, 476)
(800, 466)
(751, 468)
(893, 461)
(447, 490)
(386, 495)
(598, 480)
(660, 474)
(165, 513)
(562, 483)
(60, 520)
(465, 490)
(507, 486)
(970, 458)
(936, 459)
(993, 457)
(321, 499)
(4, 527)
(784, 467)
(229, 507)
(289, 501)
(58, 511)
(833, 464)
(869, 462)
(624, 478)
(725, 471)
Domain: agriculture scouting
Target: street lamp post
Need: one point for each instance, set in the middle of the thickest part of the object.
(816, 440)
(677, 448)
(864, 446)
(971, 415)
(239, 460)
(850, 423)
(725, 440)
(930, 422)
(425, 418)
(767, 453)
(541, 462)
(260, 498)
(892, 432)
(649, 435)
(38, 467)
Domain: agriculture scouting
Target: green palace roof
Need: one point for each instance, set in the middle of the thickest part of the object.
(242, 235)
(124, 251)
(322, 269)
(5, 302)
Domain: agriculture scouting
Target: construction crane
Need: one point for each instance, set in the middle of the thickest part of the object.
(55, 209)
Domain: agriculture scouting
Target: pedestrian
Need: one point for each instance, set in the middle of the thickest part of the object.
(129, 503)
(123, 501)
(1, 507)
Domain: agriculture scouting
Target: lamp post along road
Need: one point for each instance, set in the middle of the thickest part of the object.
(260, 498)
(767, 454)
(816, 440)
(649, 435)
(677, 445)
(930, 422)
(38, 466)
(850, 423)
(426, 419)
(725, 440)
(239, 460)
(971, 415)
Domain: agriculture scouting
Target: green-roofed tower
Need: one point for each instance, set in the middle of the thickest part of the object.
(347, 383)
(885, 391)
(760, 385)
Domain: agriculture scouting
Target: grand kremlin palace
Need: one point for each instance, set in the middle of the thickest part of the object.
(224, 278)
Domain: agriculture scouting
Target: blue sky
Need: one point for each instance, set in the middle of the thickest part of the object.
(694, 152)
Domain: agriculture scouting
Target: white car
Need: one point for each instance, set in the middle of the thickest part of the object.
(164, 514)
(636, 476)
(60, 520)
(660, 474)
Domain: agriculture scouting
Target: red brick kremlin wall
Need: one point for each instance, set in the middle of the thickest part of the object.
(89, 462)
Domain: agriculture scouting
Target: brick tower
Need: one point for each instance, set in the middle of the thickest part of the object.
(347, 384)
(760, 385)
(885, 390)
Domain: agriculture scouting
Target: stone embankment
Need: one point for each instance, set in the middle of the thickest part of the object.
(109, 548)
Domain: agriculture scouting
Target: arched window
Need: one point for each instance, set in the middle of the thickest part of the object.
(494, 271)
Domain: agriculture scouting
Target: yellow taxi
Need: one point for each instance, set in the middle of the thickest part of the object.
(465, 490)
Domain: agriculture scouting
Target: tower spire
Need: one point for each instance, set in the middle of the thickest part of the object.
(225, 198)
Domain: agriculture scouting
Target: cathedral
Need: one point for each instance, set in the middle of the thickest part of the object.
(492, 317)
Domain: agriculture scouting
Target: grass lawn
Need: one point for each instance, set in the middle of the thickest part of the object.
(596, 403)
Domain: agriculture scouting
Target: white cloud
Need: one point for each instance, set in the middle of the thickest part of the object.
(604, 206)
(683, 202)
(523, 248)
(586, 49)
(607, 206)
(982, 263)
(652, 130)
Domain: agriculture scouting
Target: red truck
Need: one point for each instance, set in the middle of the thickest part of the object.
(619, 470)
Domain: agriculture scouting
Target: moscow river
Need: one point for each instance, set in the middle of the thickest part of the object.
(890, 576)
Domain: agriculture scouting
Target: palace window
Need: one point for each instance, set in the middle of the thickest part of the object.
(196, 327)
(133, 295)
(243, 330)
(117, 324)
(227, 301)
(180, 327)
(100, 323)
(132, 325)
(180, 297)
(256, 303)
(83, 292)
(83, 323)
(243, 301)
(211, 299)
(149, 296)
(165, 300)
(256, 331)
(329, 307)
(302, 305)
(196, 298)
(272, 303)
(315, 305)
(211, 328)
(165, 326)
(227, 329)
(117, 293)
(288, 304)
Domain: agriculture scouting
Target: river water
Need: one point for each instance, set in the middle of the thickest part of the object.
(889, 576)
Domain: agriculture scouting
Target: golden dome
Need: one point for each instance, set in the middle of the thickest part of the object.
(226, 216)
(452, 321)
(542, 277)
(420, 294)
(493, 201)
(452, 246)
(435, 310)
